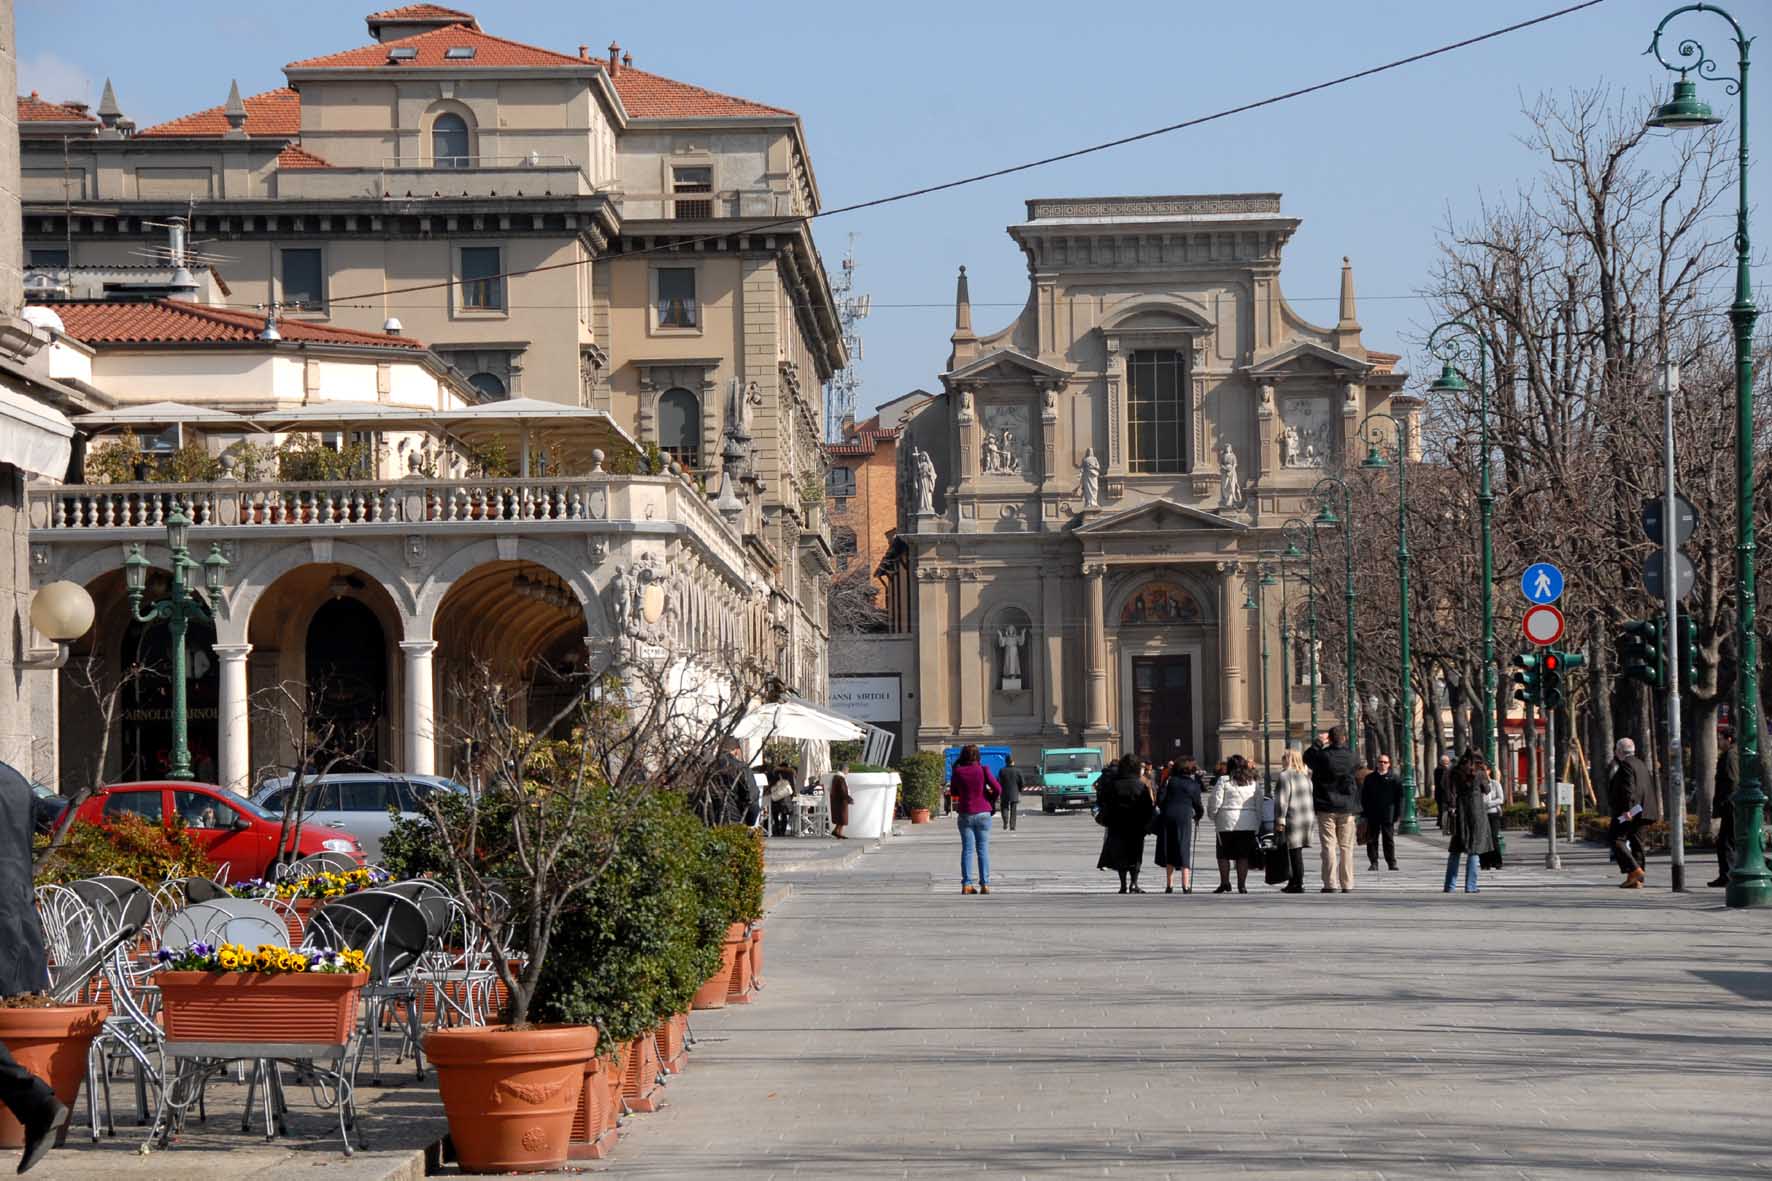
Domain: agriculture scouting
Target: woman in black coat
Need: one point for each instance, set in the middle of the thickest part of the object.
(1180, 803)
(1472, 838)
(1125, 802)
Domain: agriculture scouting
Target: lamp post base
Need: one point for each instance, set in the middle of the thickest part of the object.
(1747, 890)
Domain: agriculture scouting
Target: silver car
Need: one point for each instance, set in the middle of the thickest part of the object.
(363, 804)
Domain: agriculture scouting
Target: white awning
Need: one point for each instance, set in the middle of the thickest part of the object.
(161, 414)
(36, 439)
(796, 719)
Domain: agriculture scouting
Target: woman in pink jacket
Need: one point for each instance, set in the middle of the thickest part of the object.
(975, 792)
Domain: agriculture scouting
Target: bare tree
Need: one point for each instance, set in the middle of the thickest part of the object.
(316, 741)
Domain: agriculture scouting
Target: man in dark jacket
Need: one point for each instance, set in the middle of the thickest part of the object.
(1443, 793)
(24, 967)
(1381, 806)
(1636, 804)
(1723, 807)
(1009, 779)
(1333, 794)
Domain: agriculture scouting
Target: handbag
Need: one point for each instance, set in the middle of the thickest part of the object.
(783, 790)
(1279, 867)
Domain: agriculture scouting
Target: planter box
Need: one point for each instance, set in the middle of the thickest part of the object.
(51, 1043)
(672, 1036)
(594, 1131)
(639, 1085)
(738, 986)
(870, 816)
(317, 1008)
(714, 993)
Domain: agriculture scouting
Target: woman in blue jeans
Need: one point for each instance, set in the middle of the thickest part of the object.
(975, 792)
(1472, 838)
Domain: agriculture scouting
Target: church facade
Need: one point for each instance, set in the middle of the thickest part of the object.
(1086, 504)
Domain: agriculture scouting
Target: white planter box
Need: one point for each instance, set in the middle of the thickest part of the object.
(870, 816)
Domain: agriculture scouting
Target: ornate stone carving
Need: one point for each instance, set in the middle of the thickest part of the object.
(1089, 479)
(1148, 206)
(923, 473)
(1230, 487)
(1009, 642)
(1004, 449)
(1306, 439)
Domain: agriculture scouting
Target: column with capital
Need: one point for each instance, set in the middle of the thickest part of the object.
(1095, 639)
(421, 738)
(233, 756)
(1233, 637)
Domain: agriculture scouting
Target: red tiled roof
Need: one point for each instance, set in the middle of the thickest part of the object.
(293, 156)
(648, 96)
(488, 51)
(420, 12)
(172, 321)
(862, 441)
(273, 113)
(32, 109)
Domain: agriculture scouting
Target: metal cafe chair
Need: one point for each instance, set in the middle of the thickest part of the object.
(393, 935)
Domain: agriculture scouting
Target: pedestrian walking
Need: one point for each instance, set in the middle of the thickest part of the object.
(1295, 816)
(840, 799)
(1234, 804)
(1381, 806)
(1443, 791)
(1472, 838)
(1335, 800)
(1180, 805)
(975, 792)
(1492, 802)
(1010, 779)
(1723, 807)
(24, 969)
(1126, 804)
(1636, 804)
(781, 800)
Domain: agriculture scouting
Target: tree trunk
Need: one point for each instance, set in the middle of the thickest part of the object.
(1704, 762)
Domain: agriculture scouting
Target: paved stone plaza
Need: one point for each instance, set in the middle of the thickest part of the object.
(1550, 1025)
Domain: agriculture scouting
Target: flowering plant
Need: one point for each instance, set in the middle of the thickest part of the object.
(320, 885)
(237, 957)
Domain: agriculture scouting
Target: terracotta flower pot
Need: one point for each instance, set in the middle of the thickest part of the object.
(672, 1036)
(51, 1043)
(919, 816)
(594, 1133)
(314, 1007)
(510, 1094)
(738, 987)
(757, 956)
(640, 1085)
(713, 994)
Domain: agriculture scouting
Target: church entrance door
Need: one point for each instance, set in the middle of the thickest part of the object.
(1163, 707)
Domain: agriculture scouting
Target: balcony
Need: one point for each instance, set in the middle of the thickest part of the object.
(531, 175)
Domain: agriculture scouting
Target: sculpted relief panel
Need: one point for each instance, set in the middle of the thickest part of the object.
(1306, 433)
(1005, 441)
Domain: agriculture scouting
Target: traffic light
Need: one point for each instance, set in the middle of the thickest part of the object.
(1689, 654)
(1550, 679)
(1525, 678)
(1642, 652)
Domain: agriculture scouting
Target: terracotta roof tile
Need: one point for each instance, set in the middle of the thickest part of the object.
(32, 109)
(273, 113)
(421, 12)
(293, 156)
(649, 96)
(488, 51)
(172, 321)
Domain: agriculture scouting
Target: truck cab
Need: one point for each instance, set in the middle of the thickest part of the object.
(1068, 776)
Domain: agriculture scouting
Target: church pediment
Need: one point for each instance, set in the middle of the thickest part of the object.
(1005, 365)
(1307, 357)
(1157, 515)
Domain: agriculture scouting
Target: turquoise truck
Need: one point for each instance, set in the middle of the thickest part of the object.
(1068, 776)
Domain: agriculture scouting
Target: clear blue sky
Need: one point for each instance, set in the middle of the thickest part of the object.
(902, 94)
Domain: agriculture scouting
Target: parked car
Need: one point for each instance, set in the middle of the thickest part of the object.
(363, 804)
(231, 829)
(46, 808)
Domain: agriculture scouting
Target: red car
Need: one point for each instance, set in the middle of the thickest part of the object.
(231, 828)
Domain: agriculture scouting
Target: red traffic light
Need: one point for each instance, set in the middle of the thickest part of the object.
(1551, 662)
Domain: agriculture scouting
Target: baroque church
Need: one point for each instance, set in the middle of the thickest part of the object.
(1084, 505)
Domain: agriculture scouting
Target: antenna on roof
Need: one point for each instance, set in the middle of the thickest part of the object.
(852, 309)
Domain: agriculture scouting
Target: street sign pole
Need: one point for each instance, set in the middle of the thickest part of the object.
(1551, 860)
(1676, 772)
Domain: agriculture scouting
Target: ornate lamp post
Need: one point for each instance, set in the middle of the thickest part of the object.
(1294, 528)
(181, 605)
(1449, 382)
(1375, 461)
(1279, 562)
(1749, 882)
(1326, 516)
(1253, 601)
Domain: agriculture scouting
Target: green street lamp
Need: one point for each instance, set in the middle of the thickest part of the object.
(1326, 517)
(1280, 560)
(1376, 461)
(1749, 882)
(1294, 528)
(1450, 383)
(181, 605)
(1253, 601)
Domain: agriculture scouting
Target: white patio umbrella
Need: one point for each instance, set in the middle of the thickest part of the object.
(799, 720)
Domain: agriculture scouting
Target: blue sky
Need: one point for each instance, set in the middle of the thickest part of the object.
(899, 95)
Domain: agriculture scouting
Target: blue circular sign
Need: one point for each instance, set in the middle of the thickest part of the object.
(1542, 583)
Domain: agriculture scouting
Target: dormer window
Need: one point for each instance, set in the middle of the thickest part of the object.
(458, 53)
(402, 53)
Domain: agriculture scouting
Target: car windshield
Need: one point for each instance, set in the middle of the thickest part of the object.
(1076, 763)
(251, 809)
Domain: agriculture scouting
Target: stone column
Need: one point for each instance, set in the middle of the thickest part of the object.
(233, 756)
(420, 737)
(1095, 641)
(1233, 635)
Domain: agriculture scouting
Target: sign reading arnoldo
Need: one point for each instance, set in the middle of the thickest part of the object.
(866, 699)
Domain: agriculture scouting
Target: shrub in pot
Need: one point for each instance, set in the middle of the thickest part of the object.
(923, 774)
(51, 1042)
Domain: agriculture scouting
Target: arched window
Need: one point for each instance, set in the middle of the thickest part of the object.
(1156, 410)
(449, 141)
(679, 427)
(488, 384)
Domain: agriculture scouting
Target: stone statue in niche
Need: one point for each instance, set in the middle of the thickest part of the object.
(1049, 402)
(1230, 488)
(988, 461)
(925, 480)
(1089, 479)
(1004, 450)
(1305, 438)
(621, 600)
(1009, 641)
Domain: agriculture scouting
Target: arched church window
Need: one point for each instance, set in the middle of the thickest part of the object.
(1156, 410)
(679, 427)
(449, 141)
(1160, 602)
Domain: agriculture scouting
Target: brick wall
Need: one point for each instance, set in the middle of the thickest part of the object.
(873, 511)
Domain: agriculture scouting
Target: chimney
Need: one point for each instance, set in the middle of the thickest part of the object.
(584, 53)
(235, 113)
(614, 59)
(627, 59)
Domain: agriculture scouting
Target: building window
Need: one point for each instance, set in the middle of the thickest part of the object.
(839, 486)
(692, 180)
(449, 141)
(482, 284)
(679, 427)
(304, 279)
(41, 257)
(676, 297)
(1156, 411)
(488, 384)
